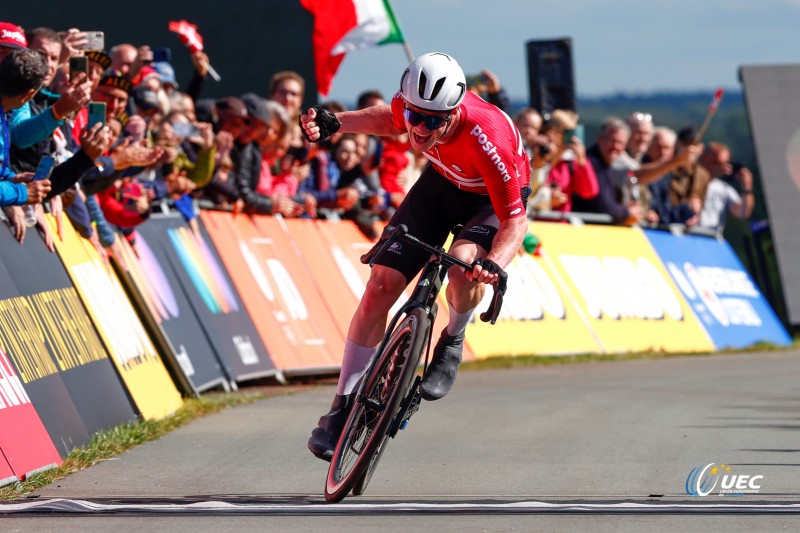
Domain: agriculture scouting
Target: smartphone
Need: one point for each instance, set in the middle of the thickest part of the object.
(44, 168)
(473, 80)
(95, 40)
(77, 65)
(182, 129)
(131, 192)
(162, 55)
(577, 132)
(97, 113)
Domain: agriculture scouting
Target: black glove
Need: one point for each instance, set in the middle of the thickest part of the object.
(326, 121)
(488, 265)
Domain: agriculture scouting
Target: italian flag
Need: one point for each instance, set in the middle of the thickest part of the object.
(341, 26)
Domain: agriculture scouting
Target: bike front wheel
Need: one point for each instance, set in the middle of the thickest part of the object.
(377, 402)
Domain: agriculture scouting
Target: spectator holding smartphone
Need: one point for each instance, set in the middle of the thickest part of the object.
(571, 174)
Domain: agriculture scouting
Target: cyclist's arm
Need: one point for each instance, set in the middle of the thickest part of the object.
(508, 240)
(375, 120)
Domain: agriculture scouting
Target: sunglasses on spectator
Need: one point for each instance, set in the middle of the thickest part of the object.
(431, 122)
(643, 117)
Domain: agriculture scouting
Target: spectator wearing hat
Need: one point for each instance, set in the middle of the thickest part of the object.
(230, 121)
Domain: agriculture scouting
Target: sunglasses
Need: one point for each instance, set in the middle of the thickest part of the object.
(431, 122)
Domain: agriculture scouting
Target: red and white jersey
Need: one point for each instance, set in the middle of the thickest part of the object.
(485, 156)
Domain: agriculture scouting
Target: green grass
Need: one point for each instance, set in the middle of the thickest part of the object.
(111, 443)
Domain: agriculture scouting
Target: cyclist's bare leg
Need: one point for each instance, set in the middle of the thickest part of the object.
(369, 321)
(366, 330)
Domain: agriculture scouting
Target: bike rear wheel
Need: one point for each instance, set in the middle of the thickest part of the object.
(378, 400)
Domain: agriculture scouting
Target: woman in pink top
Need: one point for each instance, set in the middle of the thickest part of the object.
(571, 173)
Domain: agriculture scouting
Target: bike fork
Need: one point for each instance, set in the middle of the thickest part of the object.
(408, 407)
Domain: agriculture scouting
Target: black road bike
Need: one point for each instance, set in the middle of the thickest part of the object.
(389, 392)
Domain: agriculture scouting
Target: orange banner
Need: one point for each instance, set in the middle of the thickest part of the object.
(278, 291)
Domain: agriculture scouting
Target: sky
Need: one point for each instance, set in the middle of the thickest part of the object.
(630, 46)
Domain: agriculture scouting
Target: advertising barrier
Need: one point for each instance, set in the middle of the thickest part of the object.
(719, 289)
(211, 294)
(162, 303)
(298, 330)
(54, 347)
(25, 445)
(139, 365)
(622, 288)
(593, 288)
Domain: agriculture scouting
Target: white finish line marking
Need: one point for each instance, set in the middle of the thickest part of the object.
(165, 506)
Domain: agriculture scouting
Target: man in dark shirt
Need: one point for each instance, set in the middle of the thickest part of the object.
(611, 142)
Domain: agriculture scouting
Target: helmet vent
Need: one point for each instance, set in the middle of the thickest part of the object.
(437, 88)
(423, 81)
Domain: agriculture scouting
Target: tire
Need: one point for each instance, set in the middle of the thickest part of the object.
(377, 402)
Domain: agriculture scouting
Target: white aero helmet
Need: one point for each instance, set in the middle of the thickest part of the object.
(434, 82)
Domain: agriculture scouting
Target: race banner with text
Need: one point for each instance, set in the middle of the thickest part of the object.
(54, 347)
(719, 289)
(211, 294)
(540, 316)
(617, 289)
(162, 303)
(139, 365)
(623, 288)
(277, 291)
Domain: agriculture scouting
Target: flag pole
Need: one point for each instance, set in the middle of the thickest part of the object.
(409, 53)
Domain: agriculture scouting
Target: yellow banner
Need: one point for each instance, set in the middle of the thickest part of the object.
(538, 315)
(621, 288)
(131, 350)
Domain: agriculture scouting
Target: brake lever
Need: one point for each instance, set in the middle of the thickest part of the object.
(491, 314)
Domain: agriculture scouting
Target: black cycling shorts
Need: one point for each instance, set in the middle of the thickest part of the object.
(433, 208)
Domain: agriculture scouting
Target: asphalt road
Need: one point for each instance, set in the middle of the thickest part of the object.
(596, 446)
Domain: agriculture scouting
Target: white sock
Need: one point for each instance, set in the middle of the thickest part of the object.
(458, 321)
(355, 362)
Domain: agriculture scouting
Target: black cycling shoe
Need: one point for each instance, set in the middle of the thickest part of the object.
(441, 374)
(325, 436)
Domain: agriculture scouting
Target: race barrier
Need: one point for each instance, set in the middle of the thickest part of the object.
(605, 289)
(139, 365)
(227, 299)
(163, 305)
(187, 252)
(55, 350)
(723, 295)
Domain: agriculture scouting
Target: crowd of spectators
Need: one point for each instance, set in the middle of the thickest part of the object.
(635, 173)
(162, 144)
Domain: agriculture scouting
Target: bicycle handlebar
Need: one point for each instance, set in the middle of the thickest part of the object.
(392, 234)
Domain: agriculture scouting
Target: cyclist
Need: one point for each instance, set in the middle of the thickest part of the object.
(477, 177)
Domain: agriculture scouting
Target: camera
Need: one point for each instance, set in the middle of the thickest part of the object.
(95, 41)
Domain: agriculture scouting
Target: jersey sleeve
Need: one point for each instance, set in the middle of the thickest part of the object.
(397, 112)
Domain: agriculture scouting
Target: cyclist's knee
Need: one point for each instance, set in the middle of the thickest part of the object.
(383, 288)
